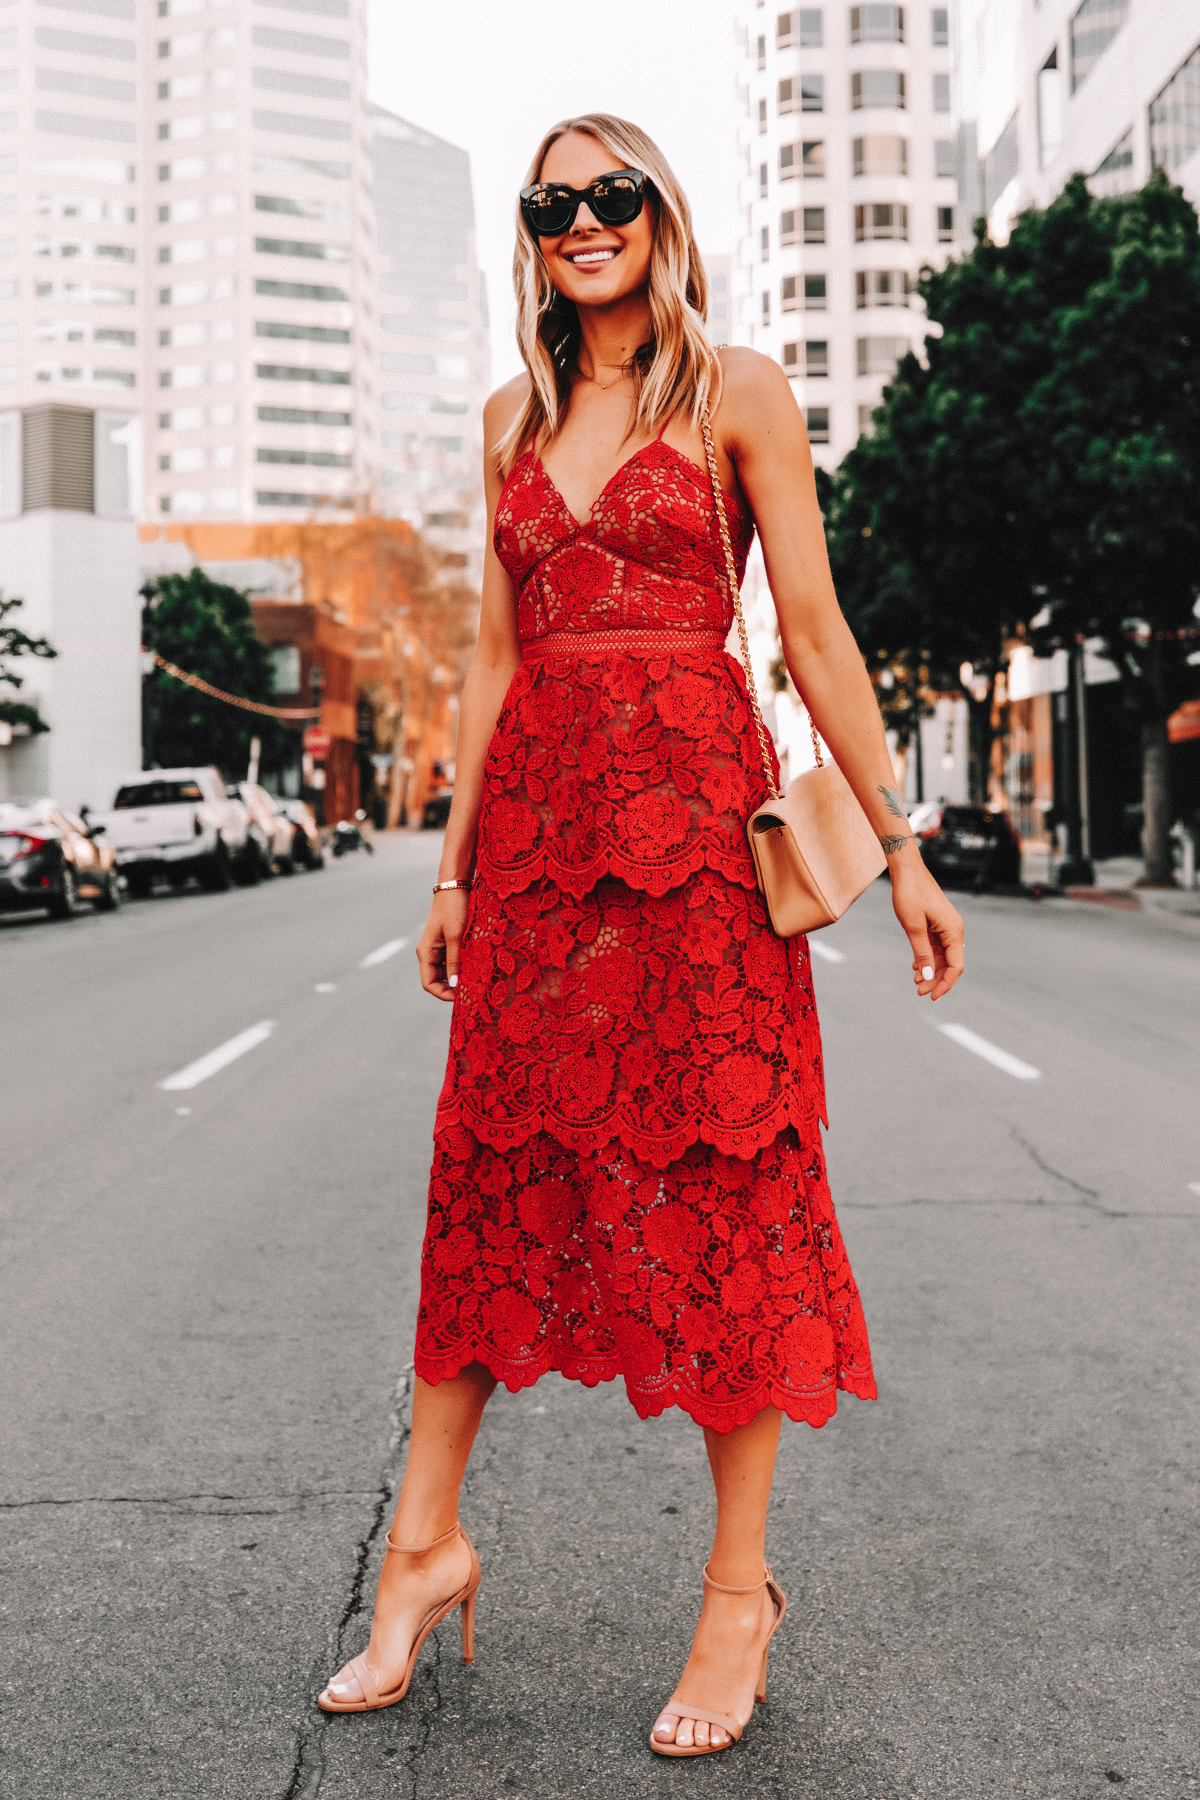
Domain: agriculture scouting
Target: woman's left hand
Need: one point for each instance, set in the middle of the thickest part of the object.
(934, 928)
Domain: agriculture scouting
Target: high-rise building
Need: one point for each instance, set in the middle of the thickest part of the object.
(190, 235)
(435, 359)
(847, 185)
(1110, 88)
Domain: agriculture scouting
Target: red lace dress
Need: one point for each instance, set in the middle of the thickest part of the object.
(628, 1176)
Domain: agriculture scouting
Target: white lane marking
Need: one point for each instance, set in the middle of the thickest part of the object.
(825, 950)
(183, 1111)
(220, 1058)
(325, 987)
(1194, 1187)
(383, 952)
(970, 1040)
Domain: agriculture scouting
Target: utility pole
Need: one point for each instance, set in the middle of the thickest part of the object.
(1076, 870)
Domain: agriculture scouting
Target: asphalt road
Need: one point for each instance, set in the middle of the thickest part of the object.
(207, 1302)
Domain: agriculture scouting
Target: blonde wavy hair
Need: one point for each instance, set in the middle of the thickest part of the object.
(671, 369)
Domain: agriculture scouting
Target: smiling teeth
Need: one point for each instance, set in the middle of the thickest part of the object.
(594, 256)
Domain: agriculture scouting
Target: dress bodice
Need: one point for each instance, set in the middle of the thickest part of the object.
(649, 556)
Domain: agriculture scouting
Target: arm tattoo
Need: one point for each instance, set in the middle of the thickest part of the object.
(895, 804)
(892, 844)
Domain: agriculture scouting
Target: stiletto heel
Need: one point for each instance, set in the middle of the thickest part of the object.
(678, 1708)
(372, 1699)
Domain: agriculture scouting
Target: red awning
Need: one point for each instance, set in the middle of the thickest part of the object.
(1184, 722)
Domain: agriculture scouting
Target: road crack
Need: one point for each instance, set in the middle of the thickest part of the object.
(1035, 1156)
(308, 1762)
(302, 1499)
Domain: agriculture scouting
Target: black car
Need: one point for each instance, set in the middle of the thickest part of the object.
(49, 858)
(967, 845)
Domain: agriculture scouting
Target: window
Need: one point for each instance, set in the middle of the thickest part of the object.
(300, 415)
(881, 287)
(318, 459)
(92, 87)
(1050, 110)
(1115, 174)
(787, 295)
(271, 497)
(791, 358)
(1000, 165)
(940, 17)
(945, 224)
(762, 181)
(766, 307)
(280, 372)
(301, 247)
(810, 163)
(943, 157)
(814, 293)
(876, 88)
(816, 418)
(880, 222)
(315, 334)
(814, 224)
(787, 228)
(879, 355)
(804, 93)
(880, 156)
(803, 27)
(789, 97)
(1093, 29)
(765, 240)
(301, 125)
(1175, 117)
(83, 43)
(876, 24)
(319, 87)
(267, 37)
(866, 421)
(816, 357)
(762, 52)
(285, 668)
(941, 93)
(299, 290)
(762, 118)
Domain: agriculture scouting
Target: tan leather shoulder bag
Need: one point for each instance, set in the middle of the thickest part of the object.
(814, 850)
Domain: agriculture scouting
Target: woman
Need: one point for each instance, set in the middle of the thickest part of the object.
(628, 1175)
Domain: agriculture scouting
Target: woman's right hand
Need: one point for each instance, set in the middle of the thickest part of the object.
(438, 945)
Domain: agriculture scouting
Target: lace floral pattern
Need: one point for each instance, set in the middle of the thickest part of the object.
(658, 1022)
(718, 1285)
(628, 1177)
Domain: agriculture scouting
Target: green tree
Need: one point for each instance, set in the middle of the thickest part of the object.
(1042, 463)
(14, 643)
(208, 630)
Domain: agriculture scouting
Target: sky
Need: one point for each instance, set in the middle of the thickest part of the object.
(493, 75)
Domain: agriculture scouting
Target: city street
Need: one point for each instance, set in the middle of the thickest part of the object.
(207, 1301)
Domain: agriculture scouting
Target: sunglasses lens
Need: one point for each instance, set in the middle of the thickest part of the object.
(549, 211)
(616, 200)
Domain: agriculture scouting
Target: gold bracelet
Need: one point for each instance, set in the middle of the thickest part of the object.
(444, 887)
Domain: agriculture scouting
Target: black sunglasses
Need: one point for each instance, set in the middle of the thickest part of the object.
(549, 207)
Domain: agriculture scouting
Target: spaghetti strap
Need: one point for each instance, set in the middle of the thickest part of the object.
(663, 432)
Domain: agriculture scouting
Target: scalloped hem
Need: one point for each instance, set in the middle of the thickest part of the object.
(504, 882)
(814, 1408)
(659, 1149)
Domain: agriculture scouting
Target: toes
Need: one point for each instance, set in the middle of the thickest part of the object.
(684, 1733)
(664, 1731)
(702, 1733)
(718, 1738)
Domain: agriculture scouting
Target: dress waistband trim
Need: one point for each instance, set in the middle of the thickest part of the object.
(645, 641)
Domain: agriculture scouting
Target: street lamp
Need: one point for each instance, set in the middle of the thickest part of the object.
(148, 593)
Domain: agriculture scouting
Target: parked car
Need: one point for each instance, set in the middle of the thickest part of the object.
(348, 834)
(967, 844)
(173, 824)
(437, 810)
(306, 833)
(269, 830)
(49, 858)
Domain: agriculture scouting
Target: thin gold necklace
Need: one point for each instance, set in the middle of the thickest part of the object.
(604, 385)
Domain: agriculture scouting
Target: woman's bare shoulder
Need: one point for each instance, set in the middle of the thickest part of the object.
(750, 379)
(502, 406)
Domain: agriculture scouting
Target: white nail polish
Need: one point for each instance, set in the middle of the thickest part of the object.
(927, 973)
(452, 980)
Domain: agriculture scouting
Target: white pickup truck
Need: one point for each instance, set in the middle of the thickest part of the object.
(174, 823)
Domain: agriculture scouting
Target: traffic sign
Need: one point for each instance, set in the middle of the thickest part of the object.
(317, 741)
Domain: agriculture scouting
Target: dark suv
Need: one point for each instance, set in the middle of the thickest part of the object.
(967, 845)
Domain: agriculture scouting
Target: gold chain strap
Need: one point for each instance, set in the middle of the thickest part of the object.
(735, 592)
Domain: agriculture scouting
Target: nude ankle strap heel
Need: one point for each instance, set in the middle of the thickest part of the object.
(372, 1697)
(678, 1708)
